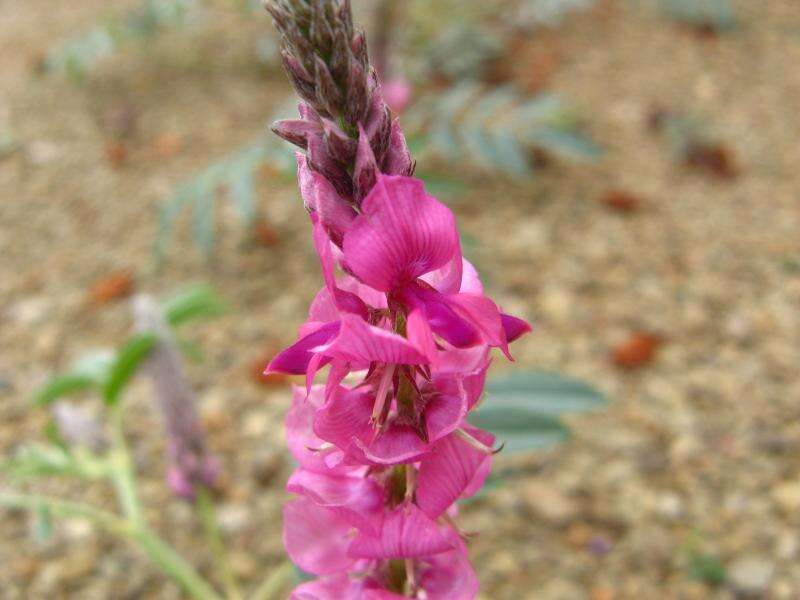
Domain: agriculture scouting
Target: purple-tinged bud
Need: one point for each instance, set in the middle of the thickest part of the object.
(79, 427)
(378, 126)
(295, 68)
(366, 170)
(398, 159)
(322, 162)
(341, 57)
(329, 97)
(296, 131)
(358, 96)
(340, 145)
(190, 462)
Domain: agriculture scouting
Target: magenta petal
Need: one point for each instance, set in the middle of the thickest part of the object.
(344, 301)
(320, 196)
(334, 587)
(300, 436)
(402, 234)
(444, 413)
(446, 473)
(294, 360)
(406, 533)
(358, 500)
(362, 343)
(315, 537)
(482, 313)
(323, 310)
(514, 327)
(420, 335)
(397, 445)
(450, 576)
(454, 276)
(344, 417)
(442, 316)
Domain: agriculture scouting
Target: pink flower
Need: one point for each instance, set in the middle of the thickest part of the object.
(405, 243)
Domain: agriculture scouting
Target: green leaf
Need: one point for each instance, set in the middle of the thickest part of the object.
(197, 302)
(543, 393)
(62, 385)
(128, 360)
(519, 429)
(522, 410)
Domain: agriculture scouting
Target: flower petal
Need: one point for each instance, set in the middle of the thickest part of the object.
(362, 343)
(446, 472)
(358, 500)
(344, 301)
(450, 576)
(321, 197)
(295, 359)
(406, 533)
(335, 587)
(514, 327)
(316, 538)
(402, 234)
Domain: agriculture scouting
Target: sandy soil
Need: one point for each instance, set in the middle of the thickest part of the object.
(700, 449)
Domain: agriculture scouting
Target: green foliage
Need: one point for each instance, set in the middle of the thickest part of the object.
(128, 360)
(531, 13)
(718, 14)
(107, 373)
(706, 567)
(523, 410)
(45, 460)
(235, 175)
(86, 374)
(197, 302)
(496, 129)
(78, 55)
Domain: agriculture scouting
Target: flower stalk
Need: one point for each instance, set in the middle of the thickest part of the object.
(382, 462)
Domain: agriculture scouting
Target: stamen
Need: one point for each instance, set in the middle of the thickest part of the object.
(477, 444)
(411, 482)
(411, 578)
(382, 393)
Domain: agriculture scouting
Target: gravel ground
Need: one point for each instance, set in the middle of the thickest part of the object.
(698, 455)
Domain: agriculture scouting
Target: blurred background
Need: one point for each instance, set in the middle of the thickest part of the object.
(625, 176)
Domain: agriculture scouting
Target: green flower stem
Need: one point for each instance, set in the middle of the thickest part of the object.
(208, 517)
(275, 583)
(123, 474)
(65, 508)
(155, 548)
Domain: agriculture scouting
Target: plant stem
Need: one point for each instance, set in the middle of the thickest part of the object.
(123, 474)
(155, 548)
(163, 555)
(275, 583)
(65, 508)
(208, 517)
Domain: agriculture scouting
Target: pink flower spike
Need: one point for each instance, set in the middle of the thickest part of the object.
(402, 234)
(315, 537)
(406, 533)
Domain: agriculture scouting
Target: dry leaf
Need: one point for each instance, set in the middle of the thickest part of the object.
(112, 287)
(638, 350)
(621, 201)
